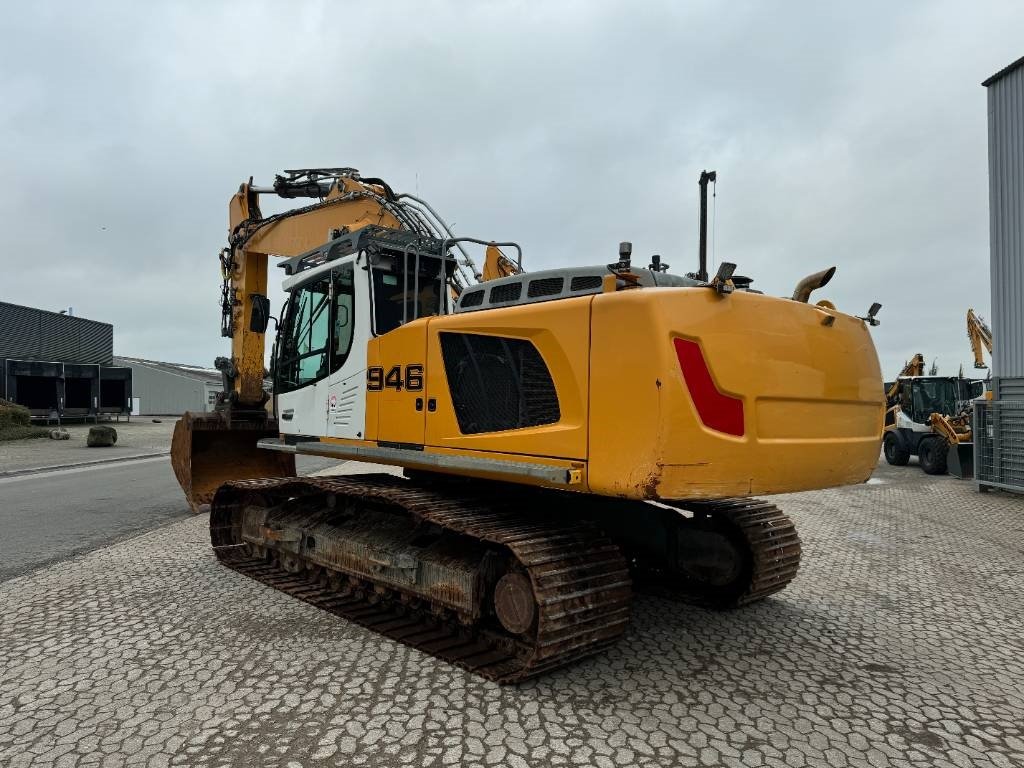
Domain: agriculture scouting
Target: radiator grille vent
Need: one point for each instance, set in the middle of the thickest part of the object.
(546, 286)
(472, 298)
(507, 292)
(497, 383)
(585, 283)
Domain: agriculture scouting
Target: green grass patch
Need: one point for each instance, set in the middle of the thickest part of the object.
(16, 423)
(23, 433)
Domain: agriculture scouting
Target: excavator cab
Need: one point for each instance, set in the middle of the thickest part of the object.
(355, 287)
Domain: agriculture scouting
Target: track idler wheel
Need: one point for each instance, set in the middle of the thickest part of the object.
(514, 603)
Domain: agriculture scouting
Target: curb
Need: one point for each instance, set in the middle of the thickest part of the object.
(57, 467)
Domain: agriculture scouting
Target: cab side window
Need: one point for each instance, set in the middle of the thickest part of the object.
(306, 338)
(400, 297)
(344, 314)
(905, 404)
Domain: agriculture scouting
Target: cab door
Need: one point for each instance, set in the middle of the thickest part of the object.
(303, 358)
(346, 385)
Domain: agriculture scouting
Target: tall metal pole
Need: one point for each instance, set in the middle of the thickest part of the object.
(705, 177)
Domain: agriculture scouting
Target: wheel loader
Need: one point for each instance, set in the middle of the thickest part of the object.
(567, 436)
(929, 417)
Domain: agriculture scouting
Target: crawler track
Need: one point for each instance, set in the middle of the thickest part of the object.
(580, 580)
(766, 543)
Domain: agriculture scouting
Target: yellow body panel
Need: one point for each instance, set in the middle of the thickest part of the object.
(560, 330)
(811, 395)
(400, 418)
(807, 378)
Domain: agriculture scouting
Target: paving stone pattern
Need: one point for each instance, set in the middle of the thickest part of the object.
(898, 645)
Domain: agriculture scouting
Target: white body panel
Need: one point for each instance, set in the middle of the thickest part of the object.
(346, 387)
(336, 405)
(904, 422)
(302, 411)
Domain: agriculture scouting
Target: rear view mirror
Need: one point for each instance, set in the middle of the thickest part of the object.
(260, 318)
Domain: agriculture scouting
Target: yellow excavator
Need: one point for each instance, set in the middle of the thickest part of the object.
(980, 337)
(566, 435)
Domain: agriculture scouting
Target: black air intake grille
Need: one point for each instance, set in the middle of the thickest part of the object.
(546, 286)
(585, 283)
(497, 383)
(506, 292)
(472, 298)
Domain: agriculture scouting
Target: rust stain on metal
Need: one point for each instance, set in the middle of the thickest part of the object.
(208, 451)
(452, 594)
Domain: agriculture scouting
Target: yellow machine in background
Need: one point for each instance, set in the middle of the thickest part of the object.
(980, 337)
(535, 415)
(929, 416)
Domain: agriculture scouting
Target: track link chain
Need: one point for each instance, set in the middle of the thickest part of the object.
(765, 535)
(580, 579)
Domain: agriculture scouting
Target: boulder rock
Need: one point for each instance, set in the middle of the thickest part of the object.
(101, 437)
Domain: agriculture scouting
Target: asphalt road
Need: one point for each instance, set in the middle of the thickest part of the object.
(51, 516)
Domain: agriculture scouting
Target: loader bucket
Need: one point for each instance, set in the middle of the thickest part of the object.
(207, 450)
(960, 460)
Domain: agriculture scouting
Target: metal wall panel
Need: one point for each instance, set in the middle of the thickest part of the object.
(1006, 220)
(19, 331)
(35, 334)
(166, 394)
(96, 342)
(1008, 388)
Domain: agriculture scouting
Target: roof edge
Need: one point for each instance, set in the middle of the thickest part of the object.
(56, 314)
(1004, 72)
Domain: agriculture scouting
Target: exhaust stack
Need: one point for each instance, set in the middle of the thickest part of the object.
(811, 283)
(705, 177)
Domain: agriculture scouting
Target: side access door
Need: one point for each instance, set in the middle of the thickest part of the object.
(394, 383)
(303, 357)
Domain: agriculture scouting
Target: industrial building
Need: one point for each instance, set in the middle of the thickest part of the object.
(60, 366)
(170, 389)
(999, 422)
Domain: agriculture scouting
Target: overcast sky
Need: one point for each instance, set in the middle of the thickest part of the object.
(851, 134)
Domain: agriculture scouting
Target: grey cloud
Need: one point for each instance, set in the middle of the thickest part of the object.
(843, 134)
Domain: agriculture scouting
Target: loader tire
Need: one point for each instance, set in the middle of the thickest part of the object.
(895, 454)
(931, 452)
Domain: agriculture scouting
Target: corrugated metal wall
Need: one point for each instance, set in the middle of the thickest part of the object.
(1006, 220)
(166, 394)
(1008, 388)
(35, 334)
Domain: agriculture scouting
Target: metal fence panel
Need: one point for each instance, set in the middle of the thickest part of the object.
(999, 444)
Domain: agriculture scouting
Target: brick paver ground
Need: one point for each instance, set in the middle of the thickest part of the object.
(900, 644)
